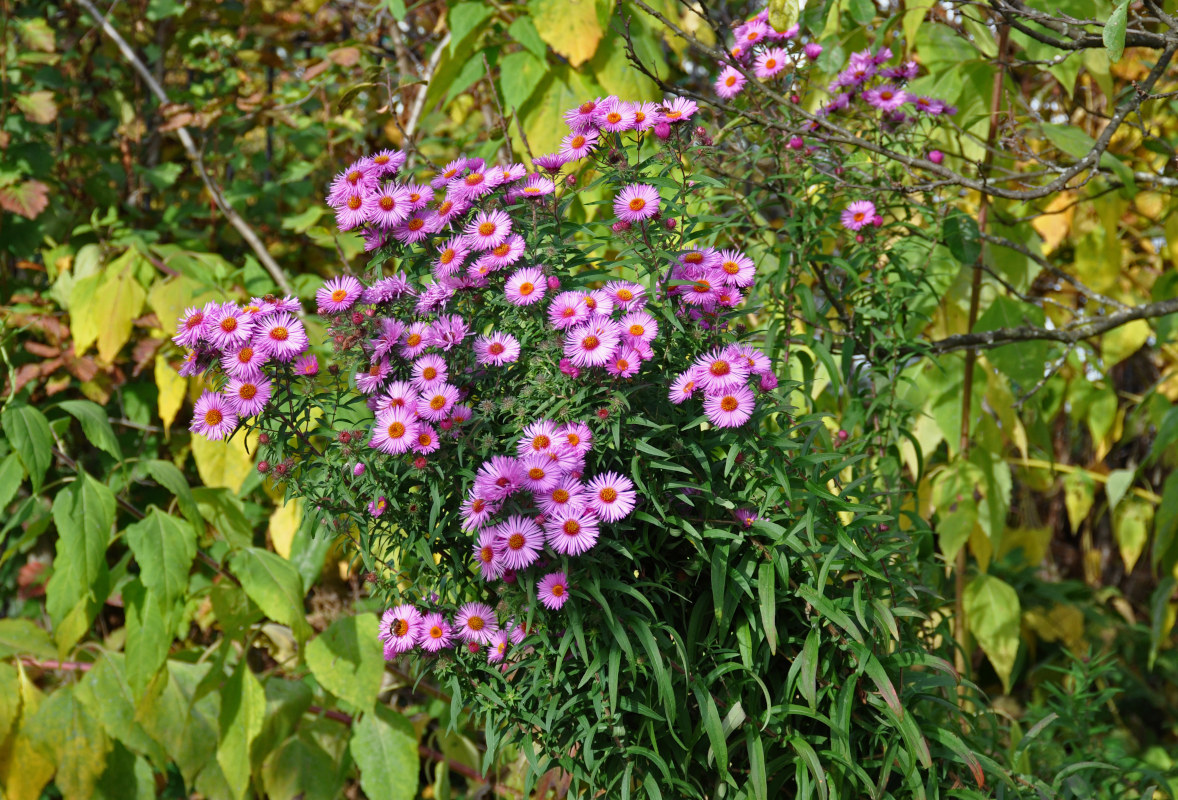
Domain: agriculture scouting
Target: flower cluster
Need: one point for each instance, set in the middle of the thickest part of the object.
(240, 344)
(723, 376)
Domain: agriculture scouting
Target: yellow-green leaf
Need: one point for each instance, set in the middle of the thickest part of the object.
(24, 771)
(783, 14)
(284, 522)
(1131, 523)
(347, 659)
(85, 315)
(993, 612)
(169, 298)
(224, 463)
(122, 300)
(65, 732)
(1120, 343)
(172, 389)
(243, 711)
(1079, 491)
(570, 27)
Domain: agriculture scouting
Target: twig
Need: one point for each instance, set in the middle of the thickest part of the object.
(419, 101)
(239, 224)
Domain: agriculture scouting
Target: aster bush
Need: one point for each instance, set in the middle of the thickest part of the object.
(570, 466)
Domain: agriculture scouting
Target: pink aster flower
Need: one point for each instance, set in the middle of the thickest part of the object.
(577, 436)
(213, 416)
(414, 229)
(567, 309)
(230, 327)
(769, 63)
(752, 32)
(886, 97)
(499, 478)
(476, 623)
(591, 345)
(553, 590)
(636, 202)
(395, 431)
(703, 258)
(731, 407)
(680, 109)
(245, 362)
(398, 394)
(550, 162)
(435, 633)
(624, 363)
(518, 542)
(525, 286)
(391, 331)
(477, 511)
(730, 83)
(539, 472)
(415, 341)
(600, 303)
(475, 184)
(419, 196)
(746, 516)
(638, 326)
(307, 365)
(447, 211)
(497, 649)
(584, 116)
(447, 332)
(505, 254)
(645, 115)
(539, 437)
(448, 173)
(248, 397)
(928, 105)
(497, 349)
(571, 532)
(400, 628)
(578, 145)
(625, 294)
(858, 215)
(683, 387)
(487, 230)
(338, 294)
(490, 565)
(436, 403)
(620, 117)
(429, 371)
(281, 336)
(452, 253)
(704, 287)
(719, 371)
(351, 213)
(387, 162)
(812, 51)
(388, 207)
(197, 361)
(611, 496)
(535, 187)
(370, 380)
(193, 327)
(567, 493)
(738, 269)
(757, 362)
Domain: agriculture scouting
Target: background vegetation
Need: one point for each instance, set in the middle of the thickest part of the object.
(172, 627)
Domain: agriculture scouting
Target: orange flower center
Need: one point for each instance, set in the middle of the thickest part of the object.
(536, 474)
(502, 250)
(637, 330)
(639, 116)
(590, 342)
(613, 117)
(213, 417)
(195, 320)
(637, 204)
(702, 286)
(478, 505)
(279, 333)
(719, 368)
(487, 555)
(486, 229)
(571, 527)
(424, 440)
(448, 255)
(396, 430)
(587, 108)
(338, 296)
(245, 354)
(770, 63)
(414, 197)
(608, 494)
(247, 391)
(526, 288)
(541, 442)
(450, 173)
(625, 295)
(399, 628)
(496, 348)
(354, 202)
(475, 623)
(730, 80)
(561, 496)
(622, 365)
(438, 403)
(729, 403)
(474, 179)
(413, 340)
(435, 632)
(573, 439)
(673, 114)
(388, 203)
(578, 142)
(694, 258)
(515, 541)
(429, 373)
(374, 370)
(415, 224)
(229, 324)
(731, 267)
(380, 159)
(445, 207)
(557, 590)
(354, 176)
(859, 216)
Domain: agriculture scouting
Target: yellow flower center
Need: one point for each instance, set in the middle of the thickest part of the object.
(515, 541)
(279, 333)
(354, 202)
(229, 324)
(437, 403)
(637, 204)
(608, 494)
(561, 496)
(400, 628)
(396, 430)
(475, 623)
(486, 229)
(590, 342)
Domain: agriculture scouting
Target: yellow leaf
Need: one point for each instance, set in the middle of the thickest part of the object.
(1055, 222)
(283, 523)
(224, 464)
(23, 770)
(172, 389)
(1079, 491)
(783, 14)
(570, 27)
(1120, 343)
(122, 299)
(993, 612)
(1031, 542)
(169, 298)
(1096, 265)
(1131, 522)
(85, 316)
(1063, 623)
(1001, 399)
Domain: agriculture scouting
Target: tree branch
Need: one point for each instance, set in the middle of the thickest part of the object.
(239, 224)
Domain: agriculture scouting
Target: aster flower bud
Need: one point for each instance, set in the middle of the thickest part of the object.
(571, 180)
(662, 130)
(936, 156)
(358, 470)
(344, 437)
(877, 220)
(812, 50)
(333, 369)
(793, 98)
(420, 462)
(700, 131)
(621, 226)
(263, 467)
(553, 283)
(859, 238)
(796, 143)
(263, 438)
(843, 435)
(670, 223)
(357, 318)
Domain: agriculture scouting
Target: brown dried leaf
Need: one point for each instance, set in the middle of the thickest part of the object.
(180, 120)
(42, 350)
(84, 369)
(144, 354)
(148, 320)
(38, 106)
(24, 374)
(345, 56)
(315, 70)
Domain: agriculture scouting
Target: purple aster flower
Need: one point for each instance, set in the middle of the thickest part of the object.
(213, 417)
(553, 590)
(636, 202)
(338, 294)
(858, 215)
(400, 629)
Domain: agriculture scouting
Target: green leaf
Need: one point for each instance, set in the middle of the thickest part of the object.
(384, 746)
(105, 693)
(523, 30)
(713, 727)
(348, 660)
(570, 27)
(274, 584)
(164, 547)
(21, 637)
(301, 770)
(520, 74)
(94, 424)
(167, 475)
(1114, 31)
(1119, 481)
(243, 710)
(36, 34)
(83, 512)
(12, 472)
(993, 613)
(28, 433)
(162, 9)
(862, 11)
(962, 237)
(63, 730)
(147, 636)
(766, 591)
(1131, 523)
(1022, 362)
(465, 19)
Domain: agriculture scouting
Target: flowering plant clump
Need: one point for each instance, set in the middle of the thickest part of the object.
(568, 464)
